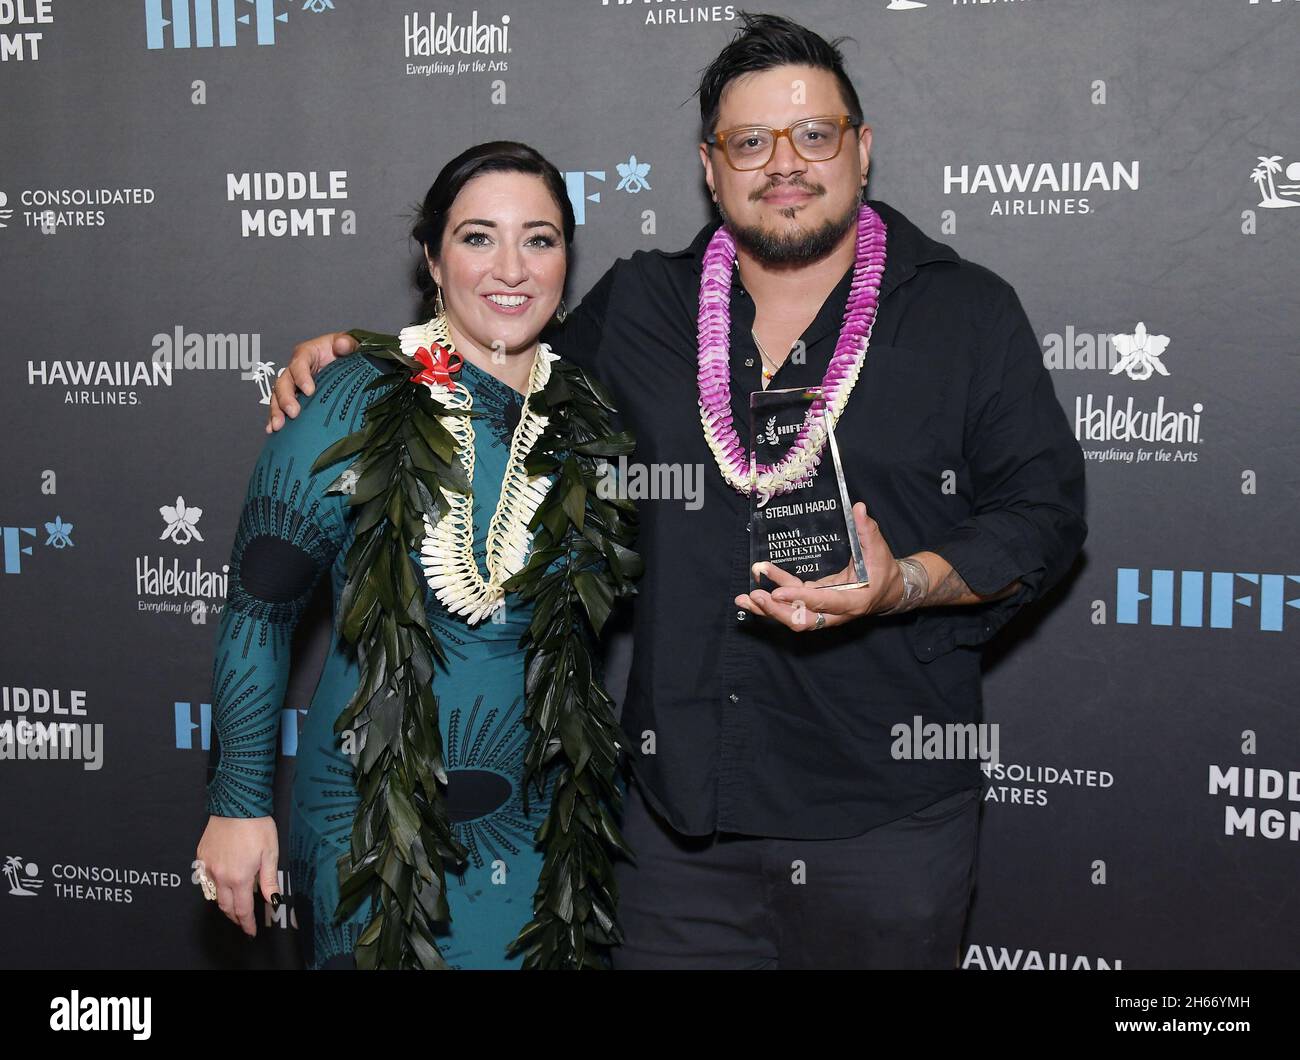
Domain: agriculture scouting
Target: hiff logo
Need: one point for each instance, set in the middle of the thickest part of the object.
(23, 881)
(213, 23)
(183, 715)
(634, 177)
(58, 534)
(1187, 607)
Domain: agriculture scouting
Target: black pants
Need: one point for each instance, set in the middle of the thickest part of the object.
(894, 897)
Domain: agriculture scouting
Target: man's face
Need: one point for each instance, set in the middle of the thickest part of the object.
(789, 211)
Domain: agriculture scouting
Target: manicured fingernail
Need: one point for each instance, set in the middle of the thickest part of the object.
(276, 900)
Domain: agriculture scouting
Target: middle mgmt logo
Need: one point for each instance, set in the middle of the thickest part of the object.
(299, 191)
(184, 24)
(1040, 189)
(166, 586)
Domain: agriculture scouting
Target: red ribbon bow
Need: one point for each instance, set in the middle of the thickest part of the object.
(438, 364)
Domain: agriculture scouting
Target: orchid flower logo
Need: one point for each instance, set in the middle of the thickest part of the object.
(1140, 353)
(182, 522)
(633, 174)
(317, 6)
(60, 533)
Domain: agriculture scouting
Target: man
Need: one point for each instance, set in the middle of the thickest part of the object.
(775, 821)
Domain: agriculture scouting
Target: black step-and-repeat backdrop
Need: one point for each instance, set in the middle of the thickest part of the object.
(188, 187)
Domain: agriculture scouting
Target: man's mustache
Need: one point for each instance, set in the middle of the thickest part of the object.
(802, 185)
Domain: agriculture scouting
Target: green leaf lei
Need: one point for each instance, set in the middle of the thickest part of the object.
(401, 835)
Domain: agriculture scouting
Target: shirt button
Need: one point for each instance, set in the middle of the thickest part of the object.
(749, 362)
(740, 616)
(734, 698)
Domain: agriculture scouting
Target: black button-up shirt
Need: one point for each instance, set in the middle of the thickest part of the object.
(954, 440)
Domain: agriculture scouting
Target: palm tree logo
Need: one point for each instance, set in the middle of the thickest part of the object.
(1268, 190)
(263, 373)
(18, 884)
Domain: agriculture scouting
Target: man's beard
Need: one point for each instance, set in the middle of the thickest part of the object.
(795, 248)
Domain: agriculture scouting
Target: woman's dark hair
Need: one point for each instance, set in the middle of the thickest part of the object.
(498, 156)
(766, 41)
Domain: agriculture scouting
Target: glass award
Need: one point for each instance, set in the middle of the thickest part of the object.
(807, 532)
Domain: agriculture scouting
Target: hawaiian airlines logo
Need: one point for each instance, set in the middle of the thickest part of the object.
(1273, 194)
(1038, 189)
(677, 12)
(21, 877)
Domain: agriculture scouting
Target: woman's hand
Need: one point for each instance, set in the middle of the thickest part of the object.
(308, 359)
(238, 854)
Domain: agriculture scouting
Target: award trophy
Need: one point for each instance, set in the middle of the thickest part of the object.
(809, 531)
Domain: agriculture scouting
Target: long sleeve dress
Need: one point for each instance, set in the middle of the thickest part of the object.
(291, 533)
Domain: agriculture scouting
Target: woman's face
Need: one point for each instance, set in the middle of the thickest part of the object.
(502, 261)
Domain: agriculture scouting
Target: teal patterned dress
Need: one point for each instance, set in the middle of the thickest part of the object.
(290, 534)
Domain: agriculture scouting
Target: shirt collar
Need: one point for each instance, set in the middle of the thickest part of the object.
(906, 247)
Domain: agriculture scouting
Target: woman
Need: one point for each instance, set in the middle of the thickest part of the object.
(432, 861)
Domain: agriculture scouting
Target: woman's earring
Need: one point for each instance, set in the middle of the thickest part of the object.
(438, 308)
(561, 312)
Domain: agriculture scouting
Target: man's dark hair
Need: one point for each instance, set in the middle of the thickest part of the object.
(766, 41)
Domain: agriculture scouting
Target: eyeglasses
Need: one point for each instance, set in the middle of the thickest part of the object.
(813, 139)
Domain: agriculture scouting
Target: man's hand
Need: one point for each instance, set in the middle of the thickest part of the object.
(307, 361)
(796, 603)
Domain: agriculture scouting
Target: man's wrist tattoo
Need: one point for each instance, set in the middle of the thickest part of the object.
(916, 586)
(951, 589)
